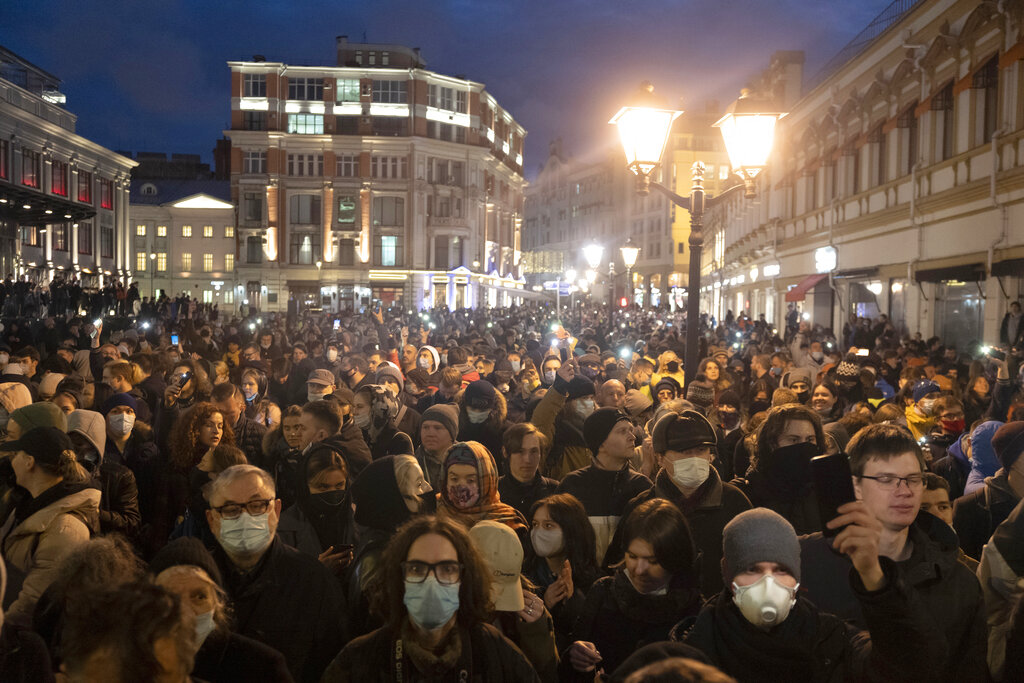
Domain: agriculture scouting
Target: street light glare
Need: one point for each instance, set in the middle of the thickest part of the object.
(644, 132)
(593, 253)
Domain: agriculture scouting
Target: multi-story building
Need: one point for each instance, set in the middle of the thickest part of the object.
(897, 182)
(183, 240)
(63, 198)
(375, 179)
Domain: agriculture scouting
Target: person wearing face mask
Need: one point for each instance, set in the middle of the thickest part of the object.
(669, 365)
(798, 380)
(652, 589)
(119, 505)
(128, 441)
(469, 492)
(482, 418)
(779, 477)
(408, 419)
(502, 378)
(375, 411)
(258, 407)
(684, 445)
(549, 371)
(248, 433)
(560, 416)
(320, 523)
(428, 360)
(760, 628)
(331, 358)
(280, 596)
(118, 378)
(186, 568)
(434, 593)
(921, 417)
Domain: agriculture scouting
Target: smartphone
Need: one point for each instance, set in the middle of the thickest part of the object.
(174, 340)
(563, 354)
(181, 380)
(833, 483)
(337, 324)
(343, 547)
(996, 353)
(863, 352)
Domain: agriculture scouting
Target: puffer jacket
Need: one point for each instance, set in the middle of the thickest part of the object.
(33, 547)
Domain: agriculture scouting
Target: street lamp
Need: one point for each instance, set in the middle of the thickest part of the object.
(629, 252)
(644, 126)
(152, 275)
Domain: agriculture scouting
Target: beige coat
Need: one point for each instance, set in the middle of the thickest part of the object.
(35, 548)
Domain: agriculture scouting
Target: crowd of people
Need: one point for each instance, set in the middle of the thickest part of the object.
(502, 495)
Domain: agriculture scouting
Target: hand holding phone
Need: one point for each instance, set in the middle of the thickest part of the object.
(174, 340)
(833, 483)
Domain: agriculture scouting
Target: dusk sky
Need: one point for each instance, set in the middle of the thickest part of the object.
(151, 76)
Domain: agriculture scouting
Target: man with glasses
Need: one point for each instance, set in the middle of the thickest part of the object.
(888, 476)
(279, 596)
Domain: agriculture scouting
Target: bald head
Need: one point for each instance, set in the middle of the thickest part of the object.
(612, 394)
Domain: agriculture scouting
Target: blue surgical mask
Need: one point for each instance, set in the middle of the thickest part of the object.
(246, 534)
(431, 604)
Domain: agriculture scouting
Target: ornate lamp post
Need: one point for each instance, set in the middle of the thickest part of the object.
(629, 252)
(644, 126)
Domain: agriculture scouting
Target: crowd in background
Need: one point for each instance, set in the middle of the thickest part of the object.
(500, 495)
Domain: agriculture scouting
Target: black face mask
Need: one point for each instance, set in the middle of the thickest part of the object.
(759, 406)
(793, 463)
(802, 396)
(672, 366)
(729, 420)
(329, 501)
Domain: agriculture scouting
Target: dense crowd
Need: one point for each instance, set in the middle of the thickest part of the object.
(501, 495)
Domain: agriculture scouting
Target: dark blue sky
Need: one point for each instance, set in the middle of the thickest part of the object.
(152, 75)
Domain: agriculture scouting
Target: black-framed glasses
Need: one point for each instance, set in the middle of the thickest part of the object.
(891, 481)
(445, 572)
(253, 507)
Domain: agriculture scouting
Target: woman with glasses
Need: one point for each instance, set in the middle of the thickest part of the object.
(433, 593)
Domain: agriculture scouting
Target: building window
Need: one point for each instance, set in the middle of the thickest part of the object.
(389, 212)
(149, 190)
(229, 262)
(392, 126)
(106, 241)
(255, 85)
(304, 248)
(447, 98)
(348, 90)
(306, 124)
(85, 238)
(60, 237)
(346, 252)
(229, 296)
(877, 138)
(207, 263)
(186, 231)
(446, 132)
(907, 123)
(392, 92)
(388, 167)
(140, 230)
(106, 193)
(348, 166)
(30, 236)
(5, 159)
(311, 89)
(986, 83)
(254, 120)
(254, 162)
(85, 187)
(229, 231)
(161, 231)
(387, 250)
(254, 249)
(304, 209)
(140, 261)
(445, 172)
(306, 164)
(207, 231)
(186, 262)
(207, 296)
(31, 165)
(59, 178)
(346, 211)
(347, 125)
(161, 262)
(942, 106)
(252, 206)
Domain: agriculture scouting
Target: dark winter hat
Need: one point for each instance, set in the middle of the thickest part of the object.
(759, 535)
(1008, 443)
(729, 398)
(580, 386)
(323, 377)
(682, 431)
(667, 383)
(46, 444)
(446, 414)
(925, 387)
(44, 414)
(121, 399)
(186, 551)
(700, 393)
(480, 395)
(599, 425)
(392, 372)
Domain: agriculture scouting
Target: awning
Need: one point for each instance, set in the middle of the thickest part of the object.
(969, 272)
(800, 291)
(856, 273)
(61, 209)
(1010, 267)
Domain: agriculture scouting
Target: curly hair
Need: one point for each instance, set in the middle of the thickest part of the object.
(186, 451)
(387, 587)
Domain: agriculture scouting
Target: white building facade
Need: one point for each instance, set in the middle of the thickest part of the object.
(895, 186)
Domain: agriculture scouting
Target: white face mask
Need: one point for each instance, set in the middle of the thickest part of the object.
(585, 407)
(332, 355)
(362, 421)
(817, 355)
(517, 365)
(246, 534)
(204, 626)
(121, 424)
(424, 364)
(314, 396)
(690, 472)
(766, 602)
(549, 376)
(546, 542)
(477, 416)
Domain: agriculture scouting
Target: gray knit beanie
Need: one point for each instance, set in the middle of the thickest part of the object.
(759, 535)
(446, 414)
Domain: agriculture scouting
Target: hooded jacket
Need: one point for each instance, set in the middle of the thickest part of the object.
(948, 591)
(984, 462)
(954, 467)
(119, 504)
(61, 519)
(490, 432)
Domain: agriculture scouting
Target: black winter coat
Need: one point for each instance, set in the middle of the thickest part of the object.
(522, 496)
(350, 444)
(977, 514)
(290, 602)
(487, 657)
(948, 591)
(119, 506)
(226, 657)
(800, 508)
